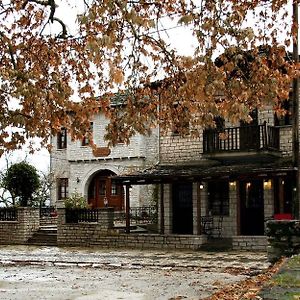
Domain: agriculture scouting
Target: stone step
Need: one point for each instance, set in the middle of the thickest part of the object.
(46, 236)
(217, 244)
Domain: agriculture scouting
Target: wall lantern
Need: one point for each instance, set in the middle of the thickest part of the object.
(201, 186)
(232, 184)
(267, 184)
(77, 180)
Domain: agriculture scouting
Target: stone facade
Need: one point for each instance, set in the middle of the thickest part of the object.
(182, 151)
(19, 231)
(79, 164)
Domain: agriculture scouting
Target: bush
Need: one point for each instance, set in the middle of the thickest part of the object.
(22, 181)
(76, 200)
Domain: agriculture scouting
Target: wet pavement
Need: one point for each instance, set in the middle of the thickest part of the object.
(28, 272)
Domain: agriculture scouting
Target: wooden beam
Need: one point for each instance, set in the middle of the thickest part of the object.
(162, 210)
(127, 211)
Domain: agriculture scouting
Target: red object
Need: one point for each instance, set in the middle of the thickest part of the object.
(283, 217)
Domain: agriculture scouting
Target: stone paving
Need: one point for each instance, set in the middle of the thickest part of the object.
(28, 272)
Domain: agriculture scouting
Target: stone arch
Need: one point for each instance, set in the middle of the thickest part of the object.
(102, 191)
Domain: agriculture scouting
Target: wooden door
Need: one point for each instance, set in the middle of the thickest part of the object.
(104, 192)
(252, 207)
(182, 194)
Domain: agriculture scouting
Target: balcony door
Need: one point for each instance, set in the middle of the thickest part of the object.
(105, 192)
(249, 133)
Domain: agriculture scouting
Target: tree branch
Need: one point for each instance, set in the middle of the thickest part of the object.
(10, 51)
(63, 25)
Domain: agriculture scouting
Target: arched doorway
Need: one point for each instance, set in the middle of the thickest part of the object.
(103, 191)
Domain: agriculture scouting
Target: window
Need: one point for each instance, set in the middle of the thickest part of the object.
(218, 198)
(285, 119)
(62, 139)
(114, 188)
(86, 139)
(63, 188)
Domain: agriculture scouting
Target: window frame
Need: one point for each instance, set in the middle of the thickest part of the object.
(86, 139)
(62, 139)
(62, 188)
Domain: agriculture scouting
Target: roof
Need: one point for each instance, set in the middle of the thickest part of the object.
(205, 172)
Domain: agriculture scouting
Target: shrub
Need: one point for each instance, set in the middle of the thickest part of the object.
(76, 200)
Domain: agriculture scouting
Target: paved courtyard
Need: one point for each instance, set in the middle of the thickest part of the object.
(28, 272)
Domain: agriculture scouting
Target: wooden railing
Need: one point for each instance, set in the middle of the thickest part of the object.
(8, 214)
(81, 215)
(244, 138)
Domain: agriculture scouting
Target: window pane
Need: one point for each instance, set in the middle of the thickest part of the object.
(63, 188)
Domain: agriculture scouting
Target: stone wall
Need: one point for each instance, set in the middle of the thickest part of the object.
(19, 231)
(150, 241)
(177, 149)
(249, 243)
(102, 235)
(283, 238)
(81, 234)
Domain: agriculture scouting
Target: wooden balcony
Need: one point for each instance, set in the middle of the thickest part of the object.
(251, 141)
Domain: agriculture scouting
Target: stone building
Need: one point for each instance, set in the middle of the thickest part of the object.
(78, 168)
(240, 178)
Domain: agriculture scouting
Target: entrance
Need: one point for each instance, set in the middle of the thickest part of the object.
(105, 192)
(252, 207)
(182, 194)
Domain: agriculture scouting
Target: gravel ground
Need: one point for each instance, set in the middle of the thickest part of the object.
(60, 273)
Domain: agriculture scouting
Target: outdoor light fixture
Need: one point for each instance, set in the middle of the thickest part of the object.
(201, 186)
(268, 184)
(232, 185)
(77, 180)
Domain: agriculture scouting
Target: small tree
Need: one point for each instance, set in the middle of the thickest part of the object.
(22, 181)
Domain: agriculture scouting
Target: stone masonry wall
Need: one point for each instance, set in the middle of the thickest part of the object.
(174, 148)
(150, 241)
(80, 234)
(249, 243)
(19, 231)
(102, 235)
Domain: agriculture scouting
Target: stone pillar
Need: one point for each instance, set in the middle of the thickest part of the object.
(196, 208)
(168, 208)
(29, 222)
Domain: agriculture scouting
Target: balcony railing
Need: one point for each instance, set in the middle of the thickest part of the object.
(244, 138)
(8, 214)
